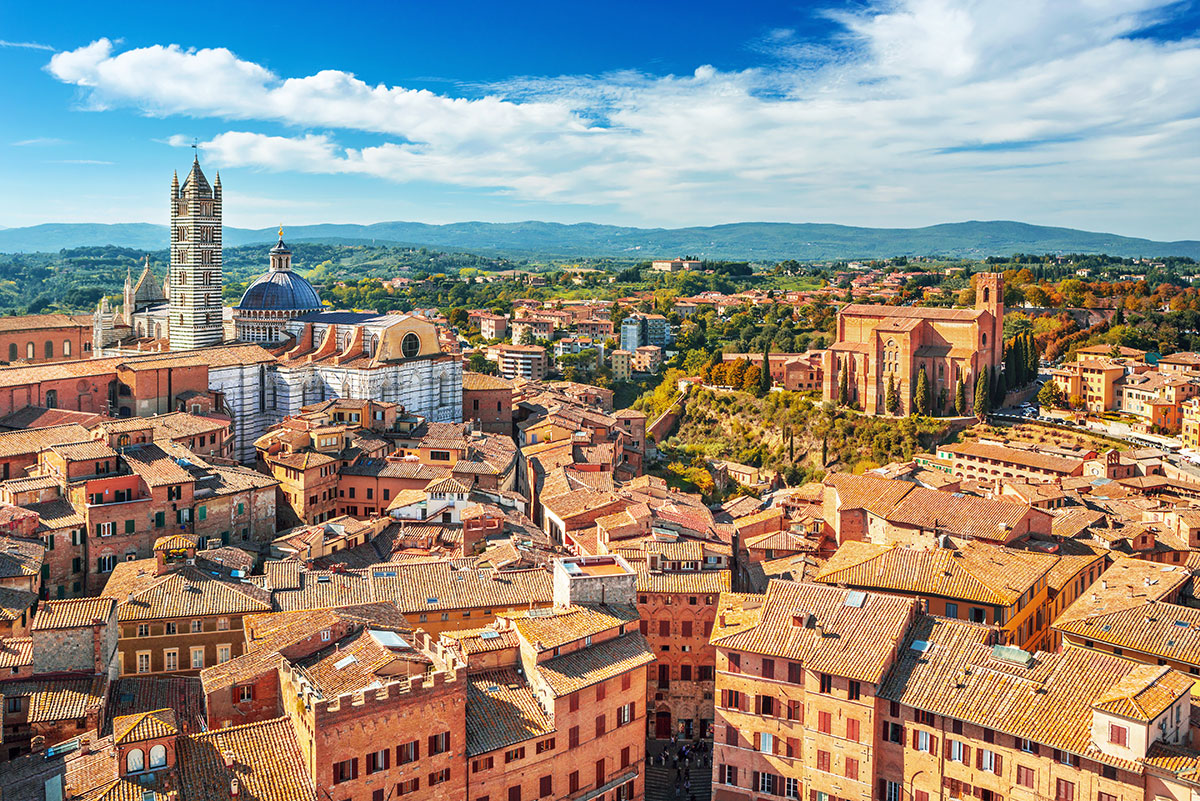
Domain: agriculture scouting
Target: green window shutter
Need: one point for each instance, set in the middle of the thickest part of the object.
(129, 526)
(202, 513)
(50, 542)
(241, 508)
(160, 519)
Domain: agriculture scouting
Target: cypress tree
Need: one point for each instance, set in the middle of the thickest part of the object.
(922, 393)
(960, 398)
(764, 377)
(1031, 357)
(843, 388)
(983, 395)
(892, 401)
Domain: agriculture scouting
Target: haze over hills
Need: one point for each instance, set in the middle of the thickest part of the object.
(749, 240)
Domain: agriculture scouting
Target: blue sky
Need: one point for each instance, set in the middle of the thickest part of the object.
(872, 112)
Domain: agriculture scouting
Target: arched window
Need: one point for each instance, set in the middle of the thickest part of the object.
(158, 756)
(985, 339)
(135, 761)
(66, 347)
(12, 352)
(123, 440)
(49, 349)
(410, 346)
(51, 399)
(29, 350)
(987, 294)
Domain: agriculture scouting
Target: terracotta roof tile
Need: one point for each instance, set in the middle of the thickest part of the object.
(502, 711)
(596, 663)
(816, 625)
(72, 613)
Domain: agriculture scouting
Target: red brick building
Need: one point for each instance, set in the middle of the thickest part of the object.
(487, 402)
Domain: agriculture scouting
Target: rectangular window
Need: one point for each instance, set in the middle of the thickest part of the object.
(1064, 790)
(852, 729)
(826, 683)
(483, 763)
(545, 787)
(768, 665)
(855, 691)
(851, 768)
(1025, 776)
(766, 743)
(951, 610)
(1118, 735)
(600, 725)
(171, 659)
(246, 693)
(893, 732)
(197, 658)
(439, 777)
(439, 743)
(223, 654)
(143, 662)
(408, 752)
(545, 745)
(625, 714)
(408, 787)
(728, 775)
(791, 788)
(378, 761)
(573, 782)
(892, 791)
(824, 722)
(345, 770)
(823, 761)
(513, 754)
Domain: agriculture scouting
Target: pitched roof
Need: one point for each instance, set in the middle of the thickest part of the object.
(952, 668)
(552, 628)
(818, 625)
(267, 762)
(145, 726)
(1144, 693)
(72, 613)
(876, 495)
(188, 592)
(596, 663)
(985, 574)
(1018, 456)
(501, 711)
(16, 443)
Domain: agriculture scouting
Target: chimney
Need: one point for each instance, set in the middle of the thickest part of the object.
(235, 788)
(37, 744)
(227, 755)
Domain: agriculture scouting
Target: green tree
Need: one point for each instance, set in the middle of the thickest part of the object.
(960, 398)
(892, 399)
(764, 377)
(844, 387)
(478, 363)
(922, 399)
(983, 395)
(1050, 396)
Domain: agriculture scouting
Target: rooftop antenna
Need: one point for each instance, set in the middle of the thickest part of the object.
(195, 149)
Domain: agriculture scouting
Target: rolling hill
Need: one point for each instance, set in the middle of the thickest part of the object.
(750, 240)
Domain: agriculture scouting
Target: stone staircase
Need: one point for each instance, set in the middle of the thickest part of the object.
(660, 780)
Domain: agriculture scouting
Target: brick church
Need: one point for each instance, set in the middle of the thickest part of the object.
(875, 342)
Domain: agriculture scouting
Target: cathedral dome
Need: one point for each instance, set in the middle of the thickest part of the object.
(280, 290)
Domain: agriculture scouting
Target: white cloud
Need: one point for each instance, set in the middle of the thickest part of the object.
(920, 111)
(41, 140)
(26, 45)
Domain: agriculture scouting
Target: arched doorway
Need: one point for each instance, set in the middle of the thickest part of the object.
(662, 724)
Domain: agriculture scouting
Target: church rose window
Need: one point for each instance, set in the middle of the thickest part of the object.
(410, 346)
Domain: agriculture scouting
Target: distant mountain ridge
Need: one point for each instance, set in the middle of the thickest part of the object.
(748, 240)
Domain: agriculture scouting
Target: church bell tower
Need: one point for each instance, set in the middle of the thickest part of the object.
(195, 273)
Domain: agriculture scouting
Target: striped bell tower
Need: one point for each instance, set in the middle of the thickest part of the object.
(195, 275)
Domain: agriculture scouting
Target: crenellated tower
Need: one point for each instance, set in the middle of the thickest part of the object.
(195, 274)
